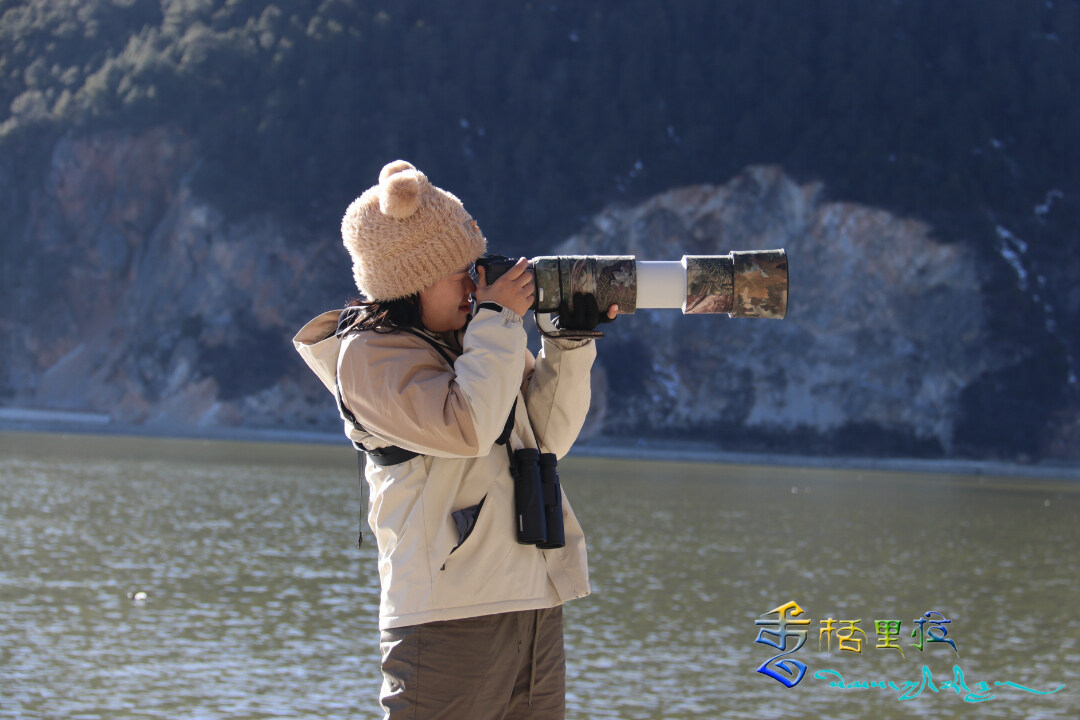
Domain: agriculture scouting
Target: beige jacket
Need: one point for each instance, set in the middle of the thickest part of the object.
(404, 393)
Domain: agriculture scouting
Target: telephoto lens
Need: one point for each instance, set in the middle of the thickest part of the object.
(529, 498)
(549, 477)
(742, 283)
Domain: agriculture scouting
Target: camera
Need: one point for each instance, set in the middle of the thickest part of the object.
(745, 284)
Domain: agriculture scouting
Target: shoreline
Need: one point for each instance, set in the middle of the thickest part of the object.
(597, 447)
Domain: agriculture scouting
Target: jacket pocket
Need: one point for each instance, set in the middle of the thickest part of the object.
(465, 520)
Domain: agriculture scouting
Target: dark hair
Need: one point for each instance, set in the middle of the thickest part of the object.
(382, 316)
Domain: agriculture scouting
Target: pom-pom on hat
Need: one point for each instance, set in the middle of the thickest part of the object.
(404, 234)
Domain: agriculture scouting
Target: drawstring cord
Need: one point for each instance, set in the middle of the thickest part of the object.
(535, 642)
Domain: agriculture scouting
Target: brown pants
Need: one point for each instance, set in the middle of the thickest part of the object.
(493, 667)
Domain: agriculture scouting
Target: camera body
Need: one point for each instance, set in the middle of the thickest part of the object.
(752, 284)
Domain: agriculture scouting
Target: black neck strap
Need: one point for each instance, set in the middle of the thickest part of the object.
(392, 454)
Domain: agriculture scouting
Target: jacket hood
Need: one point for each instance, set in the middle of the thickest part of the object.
(319, 345)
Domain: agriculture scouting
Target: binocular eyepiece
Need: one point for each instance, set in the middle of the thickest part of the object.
(750, 284)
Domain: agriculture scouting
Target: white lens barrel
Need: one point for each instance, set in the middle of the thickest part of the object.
(661, 284)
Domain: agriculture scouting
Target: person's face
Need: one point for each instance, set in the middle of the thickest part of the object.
(445, 305)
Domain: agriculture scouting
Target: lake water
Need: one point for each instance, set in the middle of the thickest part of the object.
(258, 604)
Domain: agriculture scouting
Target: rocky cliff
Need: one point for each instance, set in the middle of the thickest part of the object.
(140, 300)
(136, 298)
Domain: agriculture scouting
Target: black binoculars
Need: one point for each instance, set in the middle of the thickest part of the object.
(537, 499)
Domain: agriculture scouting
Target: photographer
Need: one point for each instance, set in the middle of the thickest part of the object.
(442, 399)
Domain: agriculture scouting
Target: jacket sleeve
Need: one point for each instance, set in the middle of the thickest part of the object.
(400, 389)
(558, 393)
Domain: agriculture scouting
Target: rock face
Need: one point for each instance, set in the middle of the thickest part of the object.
(885, 326)
(141, 301)
(126, 294)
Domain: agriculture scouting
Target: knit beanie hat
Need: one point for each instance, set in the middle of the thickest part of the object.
(404, 234)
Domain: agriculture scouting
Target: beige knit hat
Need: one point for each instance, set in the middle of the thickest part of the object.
(405, 234)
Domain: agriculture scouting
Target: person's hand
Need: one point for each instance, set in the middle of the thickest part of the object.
(514, 289)
(585, 314)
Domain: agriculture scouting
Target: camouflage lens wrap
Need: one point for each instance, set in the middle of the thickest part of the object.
(709, 284)
(548, 292)
(745, 284)
(610, 278)
(761, 284)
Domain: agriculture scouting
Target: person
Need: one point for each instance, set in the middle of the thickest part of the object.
(438, 395)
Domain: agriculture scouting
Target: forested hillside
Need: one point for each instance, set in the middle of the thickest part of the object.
(538, 112)
(963, 114)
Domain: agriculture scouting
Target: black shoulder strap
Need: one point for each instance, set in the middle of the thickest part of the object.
(389, 455)
(433, 343)
(504, 436)
(392, 454)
